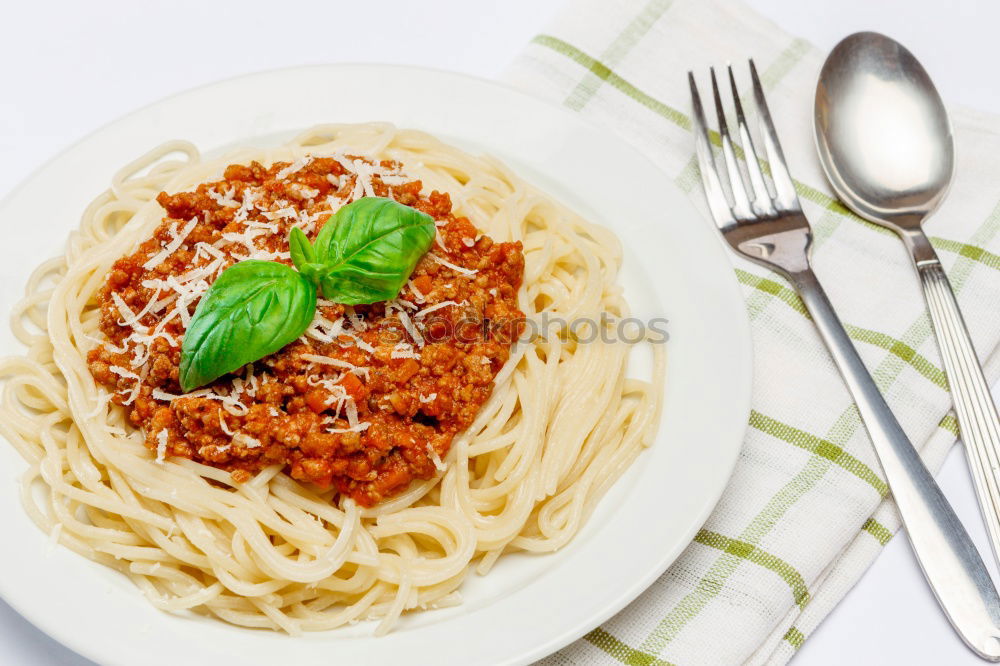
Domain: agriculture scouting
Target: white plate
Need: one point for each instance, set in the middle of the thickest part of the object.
(528, 606)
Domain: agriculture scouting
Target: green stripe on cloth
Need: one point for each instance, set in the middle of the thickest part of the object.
(785, 61)
(818, 446)
(984, 257)
(604, 73)
(620, 651)
(752, 553)
(774, 288)
(617, 50)
(877, 530)
(950, 423)
(795, 637)
(902, 351)
(896, 347)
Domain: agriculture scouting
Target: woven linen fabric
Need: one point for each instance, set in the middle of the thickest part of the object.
(806, 511)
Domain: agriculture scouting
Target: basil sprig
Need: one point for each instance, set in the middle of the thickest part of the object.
(367, 253)
(363, 254)
(254, 309)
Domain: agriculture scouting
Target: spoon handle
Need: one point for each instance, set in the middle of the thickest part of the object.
(948, 557)
(978, 421)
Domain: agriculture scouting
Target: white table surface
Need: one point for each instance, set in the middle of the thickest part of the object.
(69, 67)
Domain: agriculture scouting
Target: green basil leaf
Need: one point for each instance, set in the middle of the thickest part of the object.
(301, 249)
(369, 248)
(254, 309)
(304, 255)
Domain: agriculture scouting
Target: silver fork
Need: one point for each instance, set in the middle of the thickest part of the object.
(772, 231)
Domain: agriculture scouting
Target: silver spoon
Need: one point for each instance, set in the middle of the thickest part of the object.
(885, 142)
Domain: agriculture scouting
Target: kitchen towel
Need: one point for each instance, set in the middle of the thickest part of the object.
(807, 509)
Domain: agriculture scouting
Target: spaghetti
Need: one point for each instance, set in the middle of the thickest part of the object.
(562, 423)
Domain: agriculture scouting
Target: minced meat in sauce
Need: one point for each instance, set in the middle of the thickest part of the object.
(369, 428)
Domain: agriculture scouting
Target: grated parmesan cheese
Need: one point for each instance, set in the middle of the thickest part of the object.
(287, 212)
(439, 240)
(171, 247)
(223, 425)
(394, 179)
(365, 176)
(361, 344)
(266, 226)
(446, 264)
(229, 403)
(225, 200)
(141, 355)
(359, 188)
(358, 322)
(335, 362)
(129, 318)
(161, 446)
(352, 412)
(107, 344)
(407, 304)
(344, 400)
(249, 204)
(411, 329)
(125, 374)
(293, 167)
(323, 329)
(426, 311)
(305, 221)
(403, 350)
(438, 463)
(253, 383)
(334, 203)
(245, 238)
(247, 441)
(420, 298)
(305, 192)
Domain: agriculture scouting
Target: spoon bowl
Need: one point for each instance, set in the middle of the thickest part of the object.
(882, 131)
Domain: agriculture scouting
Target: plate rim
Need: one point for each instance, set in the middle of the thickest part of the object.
(744, 373)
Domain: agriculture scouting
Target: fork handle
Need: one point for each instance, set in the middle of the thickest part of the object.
(948, 557)
(977, 413)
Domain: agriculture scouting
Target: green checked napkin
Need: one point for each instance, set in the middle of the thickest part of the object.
(806, 511)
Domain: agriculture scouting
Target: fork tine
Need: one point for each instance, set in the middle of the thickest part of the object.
(741, 202)
(762, 198)
(716, 196)
(783, 187)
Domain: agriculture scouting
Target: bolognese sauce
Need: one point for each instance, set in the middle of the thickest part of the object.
(371, 396)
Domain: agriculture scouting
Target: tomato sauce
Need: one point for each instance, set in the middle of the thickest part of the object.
(371, 397)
